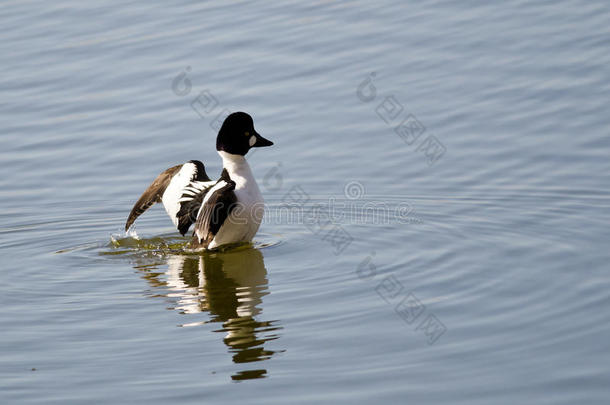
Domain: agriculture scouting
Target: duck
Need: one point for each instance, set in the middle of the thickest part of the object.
(225, 211)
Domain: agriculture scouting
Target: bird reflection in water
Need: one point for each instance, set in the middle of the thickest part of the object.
(228, 286)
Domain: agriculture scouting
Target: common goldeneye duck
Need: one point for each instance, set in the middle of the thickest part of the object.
(228, 210)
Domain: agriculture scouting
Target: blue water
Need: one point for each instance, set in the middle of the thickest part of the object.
(447, 162)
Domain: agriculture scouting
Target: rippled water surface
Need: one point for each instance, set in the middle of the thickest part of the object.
(438, 201)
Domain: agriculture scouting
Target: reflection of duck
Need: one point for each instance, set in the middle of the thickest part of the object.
(230, 286)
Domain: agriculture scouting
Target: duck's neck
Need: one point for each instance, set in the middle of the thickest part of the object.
(238, 168)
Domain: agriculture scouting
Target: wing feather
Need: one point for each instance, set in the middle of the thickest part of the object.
(215, 209)
(152, 194)
(185, 196)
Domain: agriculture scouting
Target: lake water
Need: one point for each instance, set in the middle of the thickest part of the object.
(438, 201)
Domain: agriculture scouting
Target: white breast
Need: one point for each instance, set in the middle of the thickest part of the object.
(244, 221)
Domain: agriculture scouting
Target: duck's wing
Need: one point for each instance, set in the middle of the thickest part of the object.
(181, 189)
(217, 204)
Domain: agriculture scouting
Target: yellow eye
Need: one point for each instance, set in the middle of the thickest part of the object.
(247, 134)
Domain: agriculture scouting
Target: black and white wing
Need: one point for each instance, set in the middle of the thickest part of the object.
(216, 206)
(181, 189)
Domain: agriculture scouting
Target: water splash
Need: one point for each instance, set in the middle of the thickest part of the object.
(171, 243)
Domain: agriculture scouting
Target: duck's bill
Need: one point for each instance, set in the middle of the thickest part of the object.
(260, 141)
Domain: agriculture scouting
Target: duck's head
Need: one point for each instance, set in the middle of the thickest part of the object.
(237, 135)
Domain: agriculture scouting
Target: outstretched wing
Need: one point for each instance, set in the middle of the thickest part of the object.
(215, 208)
(152, 195)
(176, 187)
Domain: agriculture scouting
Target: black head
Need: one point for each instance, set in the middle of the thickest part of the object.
(237, 135)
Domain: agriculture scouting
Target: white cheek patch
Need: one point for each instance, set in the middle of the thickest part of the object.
(252, 140)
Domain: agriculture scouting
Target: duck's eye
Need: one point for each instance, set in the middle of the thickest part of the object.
(247, 133)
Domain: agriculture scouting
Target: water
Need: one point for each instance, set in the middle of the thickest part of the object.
(475, 264)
